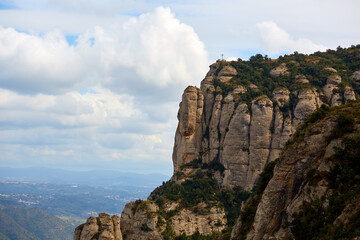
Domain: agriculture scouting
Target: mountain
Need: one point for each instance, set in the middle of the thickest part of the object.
(32, 224)
(89, 178)
(314, 192)
(234, 129)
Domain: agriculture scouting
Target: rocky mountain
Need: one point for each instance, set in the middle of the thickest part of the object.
(314, 192)
(102, 227)
(239, 121)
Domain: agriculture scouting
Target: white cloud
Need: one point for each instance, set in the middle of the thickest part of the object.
(33, 63)
(100, 129)
(71, 109)
(155, 48)
(165, 51)
(276, 40)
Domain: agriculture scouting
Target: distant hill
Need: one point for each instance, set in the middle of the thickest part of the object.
(32, 224)
(90, 178)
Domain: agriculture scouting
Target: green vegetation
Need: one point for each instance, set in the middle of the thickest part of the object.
(168, 233)
(317, 115)
(346, 116)
(315, 221)
(197, 236)
(144, 227)
(32, 224)
(313, 67)
(214, 165)
(201, 188)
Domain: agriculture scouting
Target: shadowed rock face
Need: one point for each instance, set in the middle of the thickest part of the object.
(188, 135)
(141, 220)
(213, 126)
(301, 177)
(102, 227)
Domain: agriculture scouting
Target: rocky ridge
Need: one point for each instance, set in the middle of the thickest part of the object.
(305, 196)
(246, 136)
(230, 128)
(102, 227)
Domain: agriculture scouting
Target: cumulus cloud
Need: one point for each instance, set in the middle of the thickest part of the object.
(33, 63)
(154, 48)
(276, 40)
(110, 97)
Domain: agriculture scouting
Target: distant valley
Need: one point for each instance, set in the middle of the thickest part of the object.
(69, 195)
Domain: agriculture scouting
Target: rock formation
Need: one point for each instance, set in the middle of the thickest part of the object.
(142, 220)
(188, 136)
(302, 177)
(244, 137)
(238, 121)
(280, 70)
(102, 227)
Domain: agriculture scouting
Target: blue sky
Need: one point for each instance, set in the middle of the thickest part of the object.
(94, 84)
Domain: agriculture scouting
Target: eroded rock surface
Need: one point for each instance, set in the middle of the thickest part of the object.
(189, 133)
(300, 177)
(245, 136)
(102, 227)
(142, 220)
(280, 70)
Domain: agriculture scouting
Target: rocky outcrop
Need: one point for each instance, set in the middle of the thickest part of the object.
(300, 177)
(300, 78)
(239, 127)
(102, 227)
(188, 135)
(140, 221)
(205, 221)
(260, 138)
(332, 84)
(280, 70)
(143, 220)
(244, 137)
(355, 76)
(349, 94)
(279, 193)
(227, 73)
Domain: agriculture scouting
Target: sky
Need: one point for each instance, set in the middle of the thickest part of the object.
(92, 84)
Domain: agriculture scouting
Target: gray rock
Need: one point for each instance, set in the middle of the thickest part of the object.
(355, 76)
(280, 70)
(103, 227)
(189, 132)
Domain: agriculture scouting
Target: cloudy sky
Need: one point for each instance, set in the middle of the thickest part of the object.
(91, 84)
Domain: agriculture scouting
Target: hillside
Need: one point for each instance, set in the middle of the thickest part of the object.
(314, 190)
(32, 224)
(239, 121)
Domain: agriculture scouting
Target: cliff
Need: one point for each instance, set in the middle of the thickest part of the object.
(102, 227)
(237, 122)
(314, 191)
(243, 125)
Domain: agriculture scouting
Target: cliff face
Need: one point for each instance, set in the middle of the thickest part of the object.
(312, 193)
(143, 220)
(219, 125)
(102, 227)
(239, 121)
